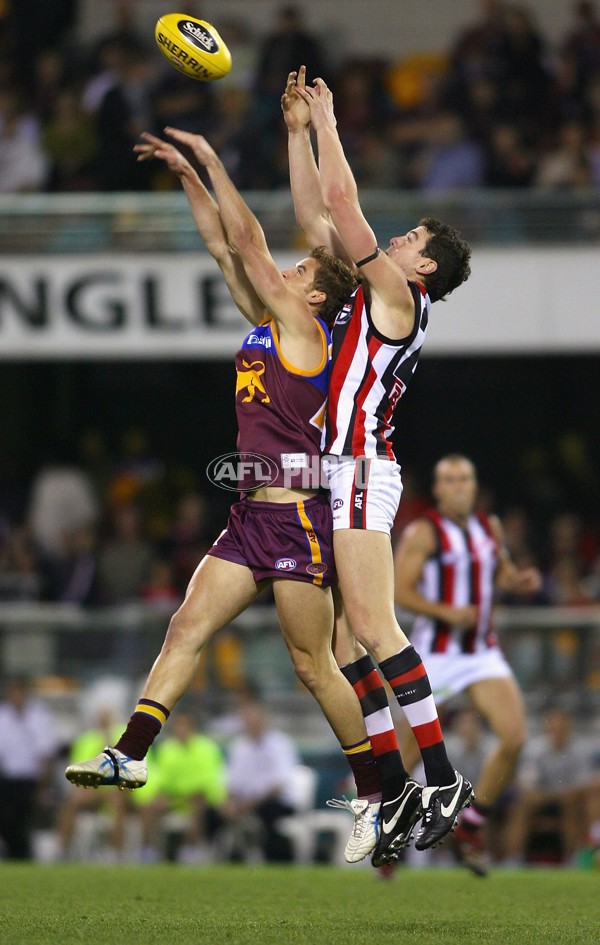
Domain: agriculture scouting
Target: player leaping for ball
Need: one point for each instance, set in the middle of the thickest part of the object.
(283, 374)
(377, 338)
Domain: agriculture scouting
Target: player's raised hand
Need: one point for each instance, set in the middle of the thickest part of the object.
(319, 98)
(198, 145)
(296, 111)
(153, 147)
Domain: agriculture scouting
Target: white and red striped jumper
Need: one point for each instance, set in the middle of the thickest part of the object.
(370, 374)
(461, 572)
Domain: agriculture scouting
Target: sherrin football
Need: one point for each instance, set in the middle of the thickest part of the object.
(192, 46)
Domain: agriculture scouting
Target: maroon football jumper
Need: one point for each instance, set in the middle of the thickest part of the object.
(281, 413)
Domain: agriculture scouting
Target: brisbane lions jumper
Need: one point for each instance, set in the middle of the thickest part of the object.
(280, 409)
(370, 374)
(461, 572)
(281, 415)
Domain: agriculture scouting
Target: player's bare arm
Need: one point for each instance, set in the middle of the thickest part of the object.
(311, 213)
(301, 339)
(508, 576)
(208, 221)
(392, 304)
(418, 543)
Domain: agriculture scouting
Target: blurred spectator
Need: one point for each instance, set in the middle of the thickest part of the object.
(114, 804)
(566, 166)
(243, 47)
(525, 80)
(468, 743)
(36, 25)
(556, 804)
(477, 52)
(27, 748)
(70, 144)
(510, 162)
(49, 77)
(160, 588)
(376, 163)
(21, 578)
(188, 778)
(125, 558)
(61, 501)
(107, 62)
(287, 47)
(189, 538)
(137, 470)
(260, 772)
(564, 584)
(582, 42)
(518, 535)
(124, 111)
(72, 574)
(449, 160)
(94, 459)
(23, 163)
(182, 104)
(234, 137)
(565, 535)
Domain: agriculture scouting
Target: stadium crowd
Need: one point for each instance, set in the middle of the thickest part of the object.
(501, 108)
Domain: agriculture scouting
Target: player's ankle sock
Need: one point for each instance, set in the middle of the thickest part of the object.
(408, 678)
(368, 685)
(365, 771)
(142, 728)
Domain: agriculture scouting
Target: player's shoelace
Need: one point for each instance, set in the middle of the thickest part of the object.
(361, 821)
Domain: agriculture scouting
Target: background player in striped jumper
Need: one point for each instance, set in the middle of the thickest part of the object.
(377, 338)
(279, 532)
(447, 565)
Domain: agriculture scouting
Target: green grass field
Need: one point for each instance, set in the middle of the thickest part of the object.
(241, 905)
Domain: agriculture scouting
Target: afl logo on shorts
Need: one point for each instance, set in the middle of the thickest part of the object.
(337, 504)
(286, 564)
(319, 568)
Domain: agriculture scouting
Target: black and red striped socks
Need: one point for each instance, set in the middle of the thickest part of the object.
(408, 678)
(362, 674)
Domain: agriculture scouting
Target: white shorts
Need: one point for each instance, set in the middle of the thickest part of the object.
(451, 674)
(365, 493)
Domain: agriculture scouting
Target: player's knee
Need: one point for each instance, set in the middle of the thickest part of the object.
(512, 741)
(306, 670)
(185, 634)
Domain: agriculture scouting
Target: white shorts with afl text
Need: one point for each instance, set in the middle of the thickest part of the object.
(365, 493)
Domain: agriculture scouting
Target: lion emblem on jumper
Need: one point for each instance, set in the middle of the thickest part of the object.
(250, 379)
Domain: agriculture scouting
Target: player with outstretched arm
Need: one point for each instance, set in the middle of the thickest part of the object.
(282, 379)
(377, 339)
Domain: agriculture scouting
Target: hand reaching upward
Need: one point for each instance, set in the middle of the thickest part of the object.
(153, 147)
(320, 101)
(198, 145)
(296, 111)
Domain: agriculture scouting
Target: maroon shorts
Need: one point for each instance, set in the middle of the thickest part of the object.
(280, 540)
